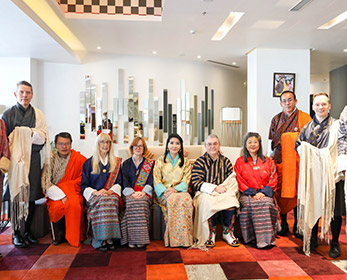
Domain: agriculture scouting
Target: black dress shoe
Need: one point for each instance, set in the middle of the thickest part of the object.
(111, 247)
(30, 238)
(284, 230)
(103, 248)
(18, 241)
(297, 234)
(335, 250)
(59, 239)
(314, 243)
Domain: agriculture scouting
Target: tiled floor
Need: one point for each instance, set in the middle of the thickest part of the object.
(285, 261)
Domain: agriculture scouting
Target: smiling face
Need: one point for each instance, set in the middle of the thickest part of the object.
(104, 147)
(24, 95)
(138, 149)
(212, 146)
(174, 146)
(252, 145)
(63, 146)
(321, 106)
(288, 103)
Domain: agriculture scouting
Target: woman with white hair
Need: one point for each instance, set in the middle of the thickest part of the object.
(101, 187)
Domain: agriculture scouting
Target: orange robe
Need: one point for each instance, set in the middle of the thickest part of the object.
(73, 209)
(288, 170)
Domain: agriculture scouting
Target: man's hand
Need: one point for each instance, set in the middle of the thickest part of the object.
(169, 191)
(101, 192)
(138, 195)
(259, 196)
(220, 189)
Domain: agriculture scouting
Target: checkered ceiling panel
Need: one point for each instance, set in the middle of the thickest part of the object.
(113, 7)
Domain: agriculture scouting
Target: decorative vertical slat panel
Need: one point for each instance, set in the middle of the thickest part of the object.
(169, 122)
(156, 119)
(202, 124)
(206, 105)
(165, 110)
(183, 100)
(199, 129)
(195, 116)
(178, 117)
(121, 90)
(161, 125)
(212, 108)
(150, 100)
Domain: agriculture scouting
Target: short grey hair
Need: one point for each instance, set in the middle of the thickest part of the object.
(210, 136)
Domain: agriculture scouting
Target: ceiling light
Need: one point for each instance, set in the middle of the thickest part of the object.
(300, 5)
(192, 31)
(230, 21)
(98, 47)
(154, 52)
(199, 56)
(345, 50)
(234, 63)
(340, 18)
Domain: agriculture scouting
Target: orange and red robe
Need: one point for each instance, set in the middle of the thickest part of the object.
(73, 209)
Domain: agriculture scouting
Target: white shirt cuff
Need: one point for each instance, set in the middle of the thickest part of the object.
(88, 193)
(207, 188)
(116, 189)
(270, 152)
(55, 193)
(341, 163)
(36, 139)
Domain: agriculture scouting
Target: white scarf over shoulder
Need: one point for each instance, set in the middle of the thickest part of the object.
(316, 189)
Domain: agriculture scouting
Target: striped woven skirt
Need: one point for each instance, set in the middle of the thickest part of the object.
(135, 222)
(103, 218)
(178, 216)
(258, 220)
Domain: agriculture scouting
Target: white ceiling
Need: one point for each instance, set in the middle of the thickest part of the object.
(266, 24)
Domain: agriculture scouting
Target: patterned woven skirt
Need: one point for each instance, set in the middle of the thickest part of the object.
(178, 216)
(258, 220)
(103, 218)
(135, 222)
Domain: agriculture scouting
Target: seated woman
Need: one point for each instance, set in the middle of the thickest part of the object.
(101, 187)
(172, 173)
(257, 179)
(137, 189)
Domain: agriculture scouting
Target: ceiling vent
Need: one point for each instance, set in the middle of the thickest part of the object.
(300, 5)
(223, 64)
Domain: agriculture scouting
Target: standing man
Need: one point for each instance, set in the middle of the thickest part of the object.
(29, 143)
(284, 130)
(217, 192)
(4, 158)
(318, 195)
(65, 200)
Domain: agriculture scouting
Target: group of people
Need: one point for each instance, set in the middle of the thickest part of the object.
(194, 199)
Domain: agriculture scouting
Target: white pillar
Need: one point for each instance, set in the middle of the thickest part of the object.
(261, 66)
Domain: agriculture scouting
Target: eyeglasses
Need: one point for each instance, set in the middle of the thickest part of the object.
(212, 144)
(289, 100)
(102, 142)
(138, 147)
(63, 144)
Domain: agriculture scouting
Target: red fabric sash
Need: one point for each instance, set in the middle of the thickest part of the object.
(113, 177)
(143, 175)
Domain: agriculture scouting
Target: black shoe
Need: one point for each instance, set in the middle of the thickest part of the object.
(335, 250)
(103, 248)
(284, 230)
(18, 241)
(30, 238)
(59, 235)
(111, 247)
(296, 232)
(313, 243)
(58, 240)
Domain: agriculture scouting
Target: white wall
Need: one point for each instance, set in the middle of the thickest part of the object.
(13, 70)
(60, 85)
(261, 65)
(319, 83)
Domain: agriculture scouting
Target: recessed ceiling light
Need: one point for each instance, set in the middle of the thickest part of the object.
(199, 56)
(234, 63)
(98, 47)
(345, 50)
(154, 52)
(230, 21)
(340, 18)
(192, 31)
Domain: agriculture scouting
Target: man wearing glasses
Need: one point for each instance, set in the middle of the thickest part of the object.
(216, 195)
(284, 130)
(64, 197)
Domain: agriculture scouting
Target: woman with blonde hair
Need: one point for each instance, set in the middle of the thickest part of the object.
(101, 187)
(137, 185)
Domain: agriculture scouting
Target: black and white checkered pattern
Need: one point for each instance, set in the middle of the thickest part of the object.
(113, 7)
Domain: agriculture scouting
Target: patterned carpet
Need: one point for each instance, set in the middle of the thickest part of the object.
(285, 261)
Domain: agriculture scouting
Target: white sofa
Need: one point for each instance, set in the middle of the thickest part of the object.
(194, 152)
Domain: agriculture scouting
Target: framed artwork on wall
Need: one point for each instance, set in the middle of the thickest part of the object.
(283, 82)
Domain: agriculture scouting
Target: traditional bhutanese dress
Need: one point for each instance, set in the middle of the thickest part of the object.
(103, 211)
(283, 132)
(178, 207)
(135, 222)
(4, 156)
(258, 218)
(318, 195)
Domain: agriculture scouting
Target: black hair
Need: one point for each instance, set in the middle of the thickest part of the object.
(180, 153)
(63, 135)
(246, 154)
(288, 91)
